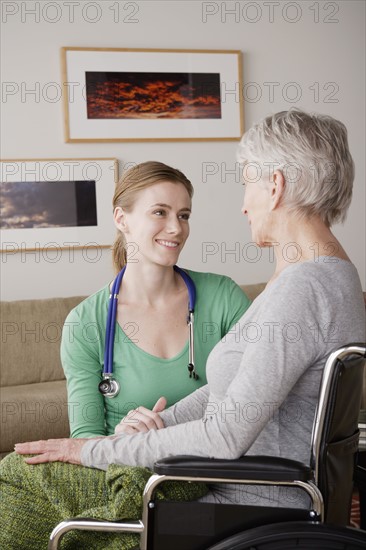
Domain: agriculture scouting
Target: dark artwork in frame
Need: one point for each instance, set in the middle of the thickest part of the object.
(43, 204)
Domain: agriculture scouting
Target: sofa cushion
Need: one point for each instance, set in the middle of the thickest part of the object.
(30, 340)
(32, 412)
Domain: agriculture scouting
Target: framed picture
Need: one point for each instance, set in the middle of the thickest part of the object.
(151, 95)
(57, 203)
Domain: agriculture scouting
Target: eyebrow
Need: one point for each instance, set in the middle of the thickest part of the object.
(163, 205)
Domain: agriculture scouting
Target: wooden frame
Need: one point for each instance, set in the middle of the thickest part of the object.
(57, 203)
(113, 94)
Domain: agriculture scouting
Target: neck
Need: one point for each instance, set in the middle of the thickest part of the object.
(303, 240)
(149, 284)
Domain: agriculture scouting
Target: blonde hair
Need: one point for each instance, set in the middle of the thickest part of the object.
(133, 181)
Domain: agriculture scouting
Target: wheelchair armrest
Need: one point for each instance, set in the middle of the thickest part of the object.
(266, 468)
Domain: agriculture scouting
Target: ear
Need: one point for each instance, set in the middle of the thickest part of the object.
(120, 221)
(277, 188)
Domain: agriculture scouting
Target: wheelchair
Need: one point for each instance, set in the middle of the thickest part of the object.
(328, 482)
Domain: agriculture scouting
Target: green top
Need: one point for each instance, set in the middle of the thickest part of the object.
(143, 378)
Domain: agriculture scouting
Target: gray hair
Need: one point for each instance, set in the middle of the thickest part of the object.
(312, 152)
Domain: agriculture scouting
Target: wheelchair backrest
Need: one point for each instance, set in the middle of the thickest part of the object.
(335, 433)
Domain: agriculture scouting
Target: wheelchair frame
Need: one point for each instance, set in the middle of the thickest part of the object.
(252, 470)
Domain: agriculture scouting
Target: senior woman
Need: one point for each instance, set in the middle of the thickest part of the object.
(263, 377)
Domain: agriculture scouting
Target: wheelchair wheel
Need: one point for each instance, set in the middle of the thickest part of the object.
(297, 536)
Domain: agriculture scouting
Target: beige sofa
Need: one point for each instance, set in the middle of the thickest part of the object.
(32, 383)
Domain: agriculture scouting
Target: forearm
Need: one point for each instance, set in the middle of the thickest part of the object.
(211, 436)
(190, 408)
(223, 431)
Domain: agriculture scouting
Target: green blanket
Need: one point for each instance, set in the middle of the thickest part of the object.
(34, 499)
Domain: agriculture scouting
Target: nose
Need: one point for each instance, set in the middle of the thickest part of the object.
(173, 225)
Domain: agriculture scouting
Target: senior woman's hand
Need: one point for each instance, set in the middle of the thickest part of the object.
(52, 450)
(142, 419)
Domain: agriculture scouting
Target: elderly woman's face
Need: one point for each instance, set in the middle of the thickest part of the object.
(256, 203)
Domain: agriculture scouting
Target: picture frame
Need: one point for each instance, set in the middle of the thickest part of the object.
(56, 204)
(115, 94)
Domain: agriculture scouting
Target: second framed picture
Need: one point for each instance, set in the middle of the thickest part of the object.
(151, 95)
(56, 203)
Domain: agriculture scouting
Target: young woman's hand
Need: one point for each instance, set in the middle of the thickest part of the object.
(142, 419)
(52, 450)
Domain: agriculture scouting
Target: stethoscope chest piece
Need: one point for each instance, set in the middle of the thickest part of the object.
(109, 387)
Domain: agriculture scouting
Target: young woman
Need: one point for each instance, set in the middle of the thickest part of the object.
(263, 386)
(152, 206)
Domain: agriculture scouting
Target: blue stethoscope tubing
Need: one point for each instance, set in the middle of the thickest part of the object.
(109, 387)
(111, 323)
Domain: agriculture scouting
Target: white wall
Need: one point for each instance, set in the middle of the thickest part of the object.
(308, 54)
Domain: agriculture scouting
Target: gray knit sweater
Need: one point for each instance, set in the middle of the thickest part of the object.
(263, 381)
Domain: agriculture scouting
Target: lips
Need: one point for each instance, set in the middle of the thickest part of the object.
(168, 244)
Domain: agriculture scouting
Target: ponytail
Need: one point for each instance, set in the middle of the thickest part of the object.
(119, 255)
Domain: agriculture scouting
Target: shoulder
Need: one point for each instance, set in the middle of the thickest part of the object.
(92, 307)
(212, 282)
(319, 283)
(329, 273)
(220, 293)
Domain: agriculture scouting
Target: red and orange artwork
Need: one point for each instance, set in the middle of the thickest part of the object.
(118, 95)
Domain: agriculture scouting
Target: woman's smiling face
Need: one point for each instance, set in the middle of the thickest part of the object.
(157, 226)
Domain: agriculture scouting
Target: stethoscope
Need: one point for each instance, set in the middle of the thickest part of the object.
(109, 387)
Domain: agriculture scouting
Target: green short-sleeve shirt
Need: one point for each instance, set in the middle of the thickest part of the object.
(143, 377)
